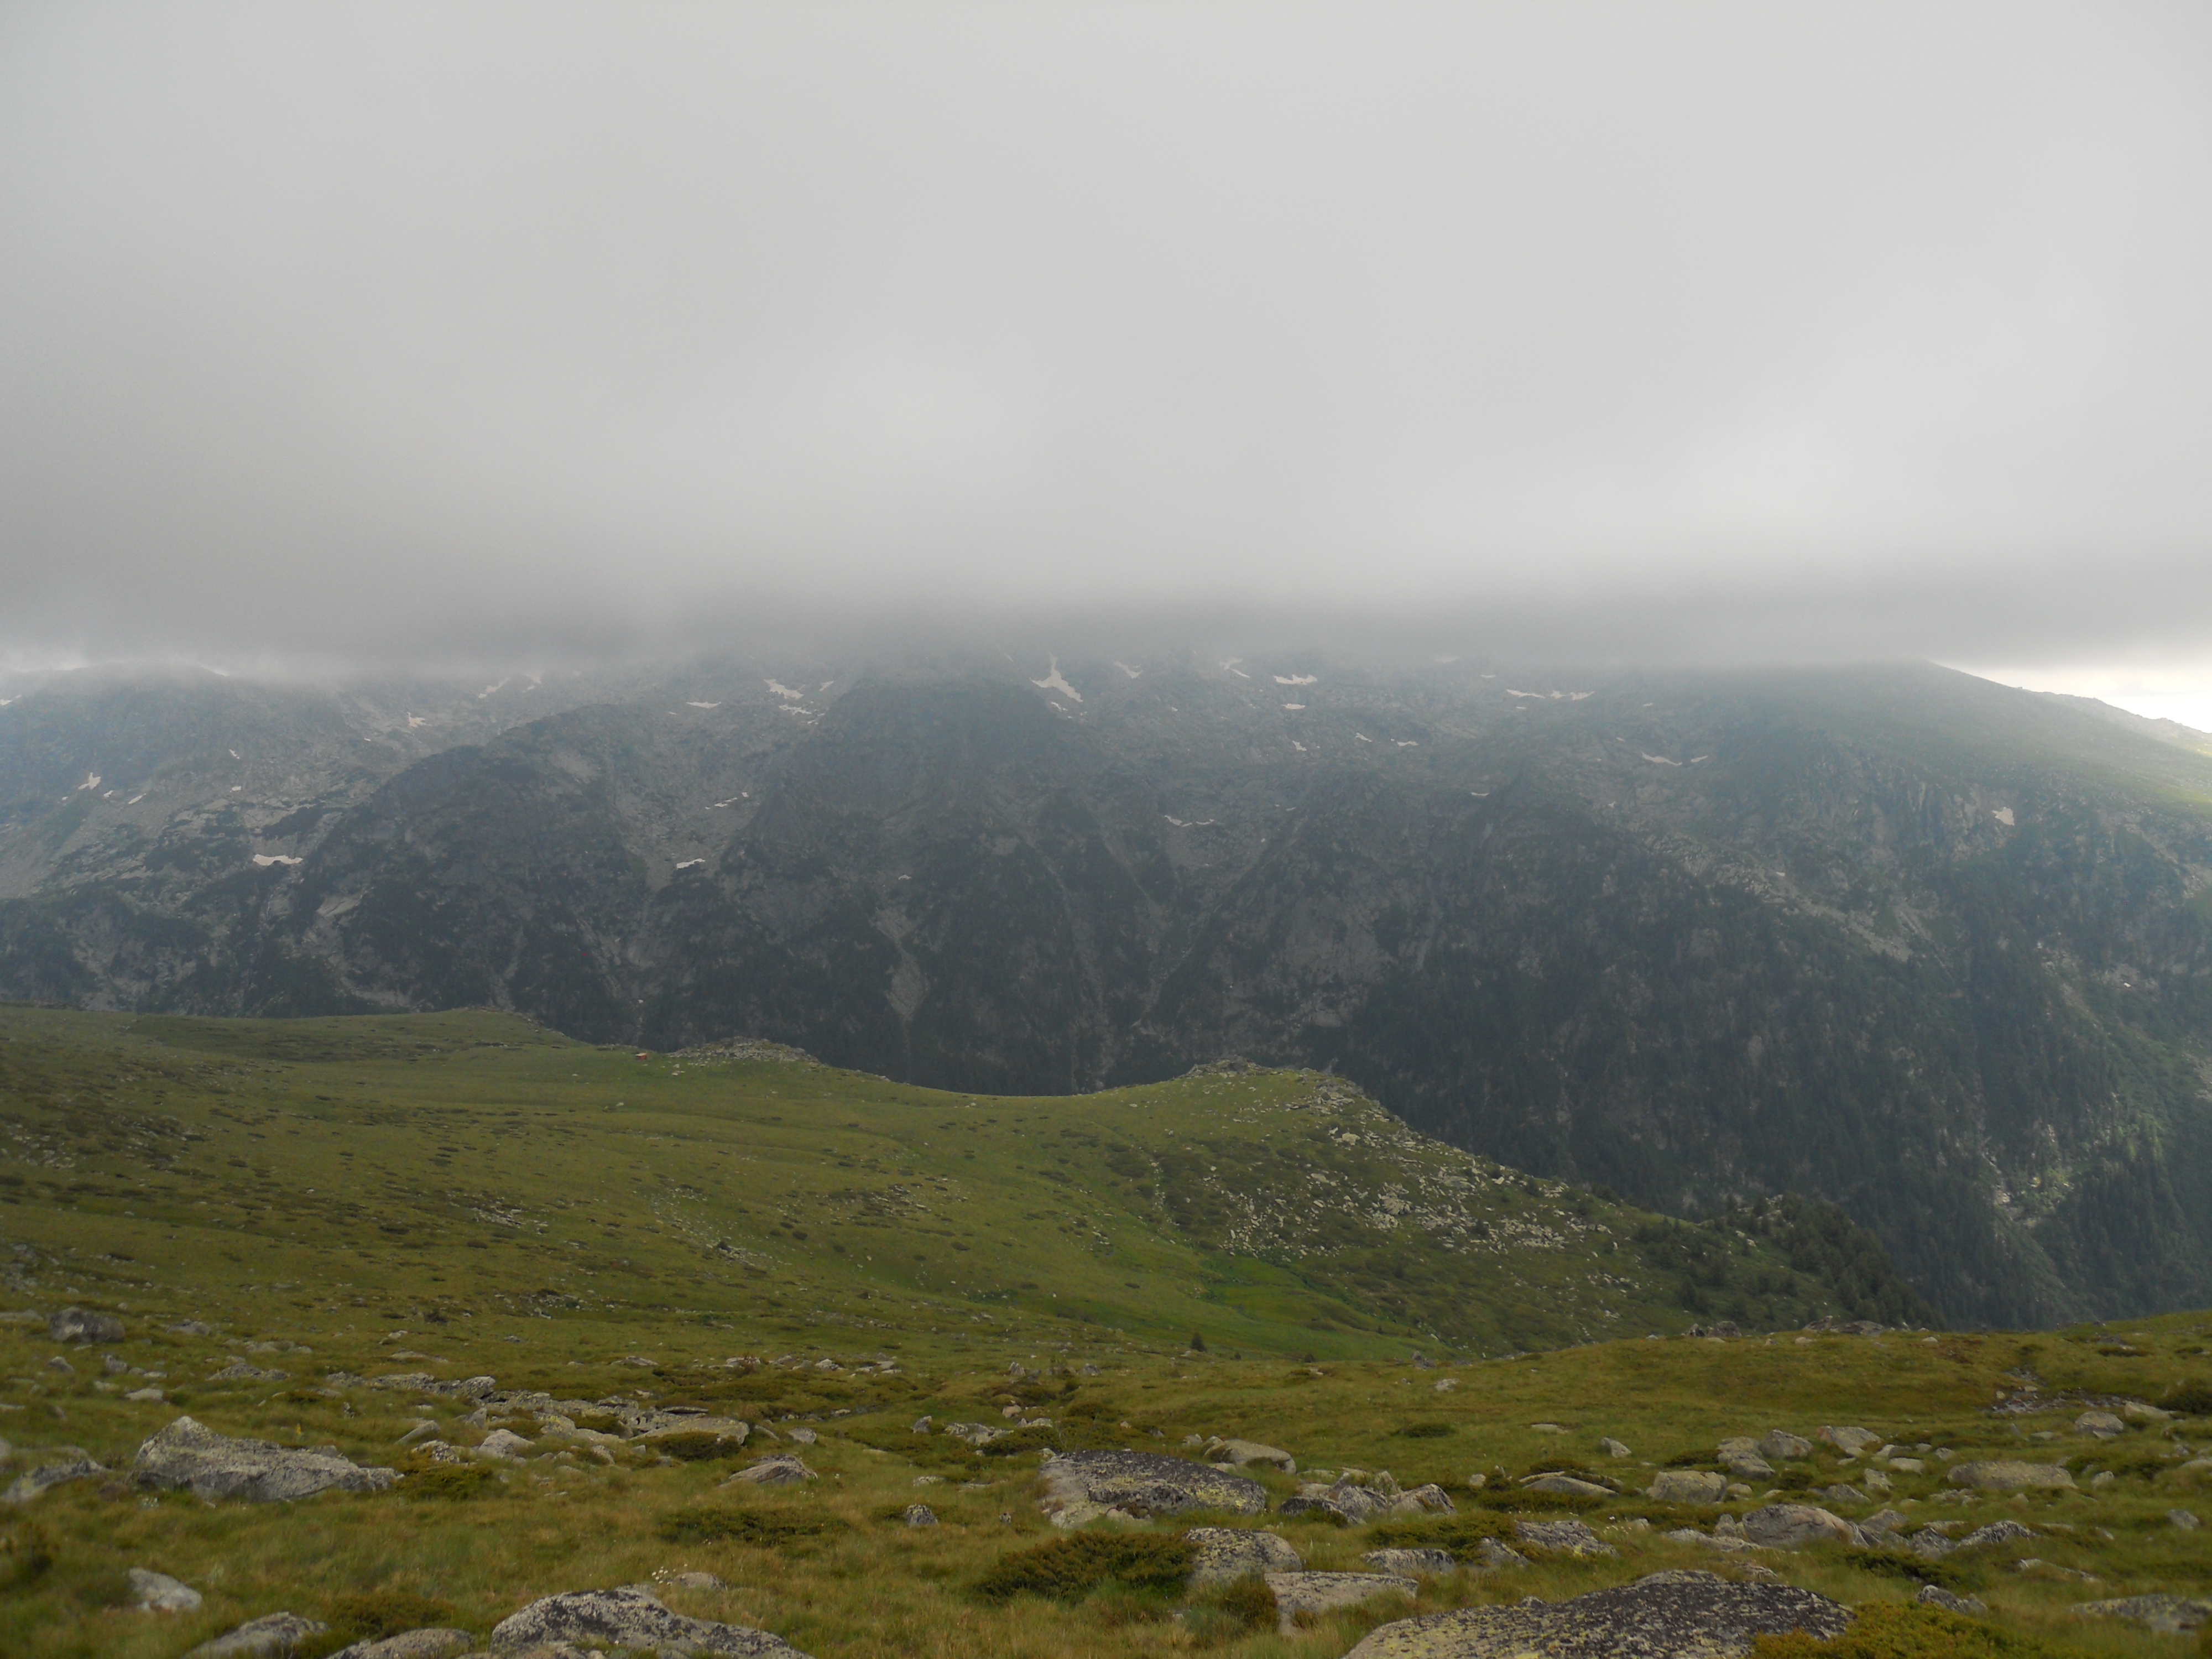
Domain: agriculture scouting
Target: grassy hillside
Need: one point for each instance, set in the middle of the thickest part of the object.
(808, 1248)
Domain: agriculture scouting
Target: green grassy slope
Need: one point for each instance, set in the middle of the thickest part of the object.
(431, 1166)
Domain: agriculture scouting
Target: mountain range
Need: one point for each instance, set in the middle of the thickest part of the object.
(1931, 949)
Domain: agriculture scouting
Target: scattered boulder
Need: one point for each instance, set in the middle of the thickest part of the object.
(1082, 1486)
(190, 1327)
(1612, 1448)
(1997, 1531)
(157, 1592)
(214, 1467)
(148, 1396)
(698, 1438)
(803, 1436)
(1495, 1554)
(1569, 1485)
(503, 1444)
(1850, 1441)
(919, 1515)
(1223, 1553)
(1429, 1498)
(432, 1643)
(1241, 1452)
(82, 1325)
(44, 1480)
(1568, 1537)
(1324, 1592)
(2105, 1425)
(239, 1371)
(1667, 1615)
(2170, 1614)
(782, 1471)
(1934, 1595)
(1778, 1445)
(1740, 1457)
(2009, 1475)
(2184, 1519)
(273, 1636)
(631, 1617)
(1409, 1563)
(1793, 1526)
(1688, 1486)
(2136, 1411)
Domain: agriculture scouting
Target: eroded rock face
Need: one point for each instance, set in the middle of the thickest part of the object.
(627, 1618)
(1668, 1615)
(215, 1466)
(1223, 1553)
(1085, 1484)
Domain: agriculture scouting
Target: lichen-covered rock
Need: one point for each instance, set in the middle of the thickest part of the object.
(1793, 1526)
(1085, 1484)
(1688, 1486)
(630, 1617)
(1997, 1531)
(1406, 1563)
(82, 1325)
(274, 1636)
(1668, 1615)
(784, 1471)
(698, 1438)
(2170, 1614)
(1324, 1592)
(1779, 1446)
(2105, 1425)
(214, 1467)
(1241, 1452)
(919, 1515)
(430, 1642)
(2011, 1474)
(1850, 1441)
(1567, 1537)
(1220, 1555)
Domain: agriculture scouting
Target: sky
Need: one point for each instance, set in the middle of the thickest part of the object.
(1664, 332)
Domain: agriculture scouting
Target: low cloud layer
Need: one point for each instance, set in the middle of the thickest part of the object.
(392, 331)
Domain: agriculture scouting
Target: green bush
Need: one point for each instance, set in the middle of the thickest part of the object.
(1425, 1431)
(2193, 1398)
(1462, 1534)
(699, 1447)
(1517, 1498)
(372, 1615)
(1024, 1440)
(1888, 1630)
(452, 1481)
(1914, 1569)
(714, 1523)
(26, 1552)
(1068, 1568)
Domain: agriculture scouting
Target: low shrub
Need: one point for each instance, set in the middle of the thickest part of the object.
(2192, 1398)
(702, 1446)
(26, 1552)
(451, 1481)
(1024, 1440)
(1462, 1534)
(372, 1615)
(1519, 1497)
(1068, 1568)
(1425, 1431)
(1913, 1569)
(715, 1523)
(1889, 1631)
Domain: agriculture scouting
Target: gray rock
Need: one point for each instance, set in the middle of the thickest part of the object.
(1430, 1499)
(923, 1425)
(784, 1471)
(1325, 1592)
(1934, 1595)
(1667, 1615)
(214, 1467)
(81, 1325)
(274, 1636)
(43, 1480)
(1495, 1554)
(1612, 1448)
(1571, 1485)
(239, 1371)
(2103, 1425)
(1568, 1537)
(145, 1396)
(1224, 1553)
(1241, 1452)
(2184, 1519)
(627, 1618)
(2008, 1474)
(1840, 1494)
(1688, 1486)
(433, 1643)
(2169, 1614)
(190, 1327)
(1778, 1446)
(2136, 1411)
(503, 1444)
(1748, 1465)
(695, 1436)
(698, 1580)
(1793, 1526)
(804, 1437)
(157, 1592)
(115, 1364)
(468, 1388)
(1085, 1484)
(424, 1430)
(1997, 1531)
(919, 1515)
(58, 1364)
(1411, 1563)
(1853, 1441)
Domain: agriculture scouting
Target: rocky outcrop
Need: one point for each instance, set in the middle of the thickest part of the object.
(1668, 1615)
(1085, 1485)
(1222, 1554)
(215, 1466)
(631, 1617)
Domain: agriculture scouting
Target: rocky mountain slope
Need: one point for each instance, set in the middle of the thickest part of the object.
(1937, 950)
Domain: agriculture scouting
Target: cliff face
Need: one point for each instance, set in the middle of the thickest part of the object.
(1938, 952)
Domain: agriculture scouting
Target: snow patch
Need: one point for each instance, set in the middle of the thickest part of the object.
(782, 690)
(264, 860)
(1132, 673)
(234, 754)
(1296, 745)
(1407, 743)
(134, 800)
(1699, 760)
(797, 708)
(489, 689)
(1053, 681)
(415, 720)
(1294, 705)
(1194, 823)
(1659, 760)
(1479, 794)
(1297, 679)
(91, 781)
(1362, 737)
(689, 864)
(703, 705)
(2002, 815)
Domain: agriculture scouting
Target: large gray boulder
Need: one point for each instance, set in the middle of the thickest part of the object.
(157, 1592)
(1779, 1446)
(1688, 1486)
(82, 1325)
(1324, 1592)
(1085, 1484)
(1567, 1537)
(214, 1467)
(1793, 1526)
(1223, 1553)
(2011, 1474)
(1241, 1452)
(630, 1617)
(273, 1636)
(1668, 1615)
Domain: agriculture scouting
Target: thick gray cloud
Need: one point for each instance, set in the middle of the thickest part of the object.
(391, 329)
